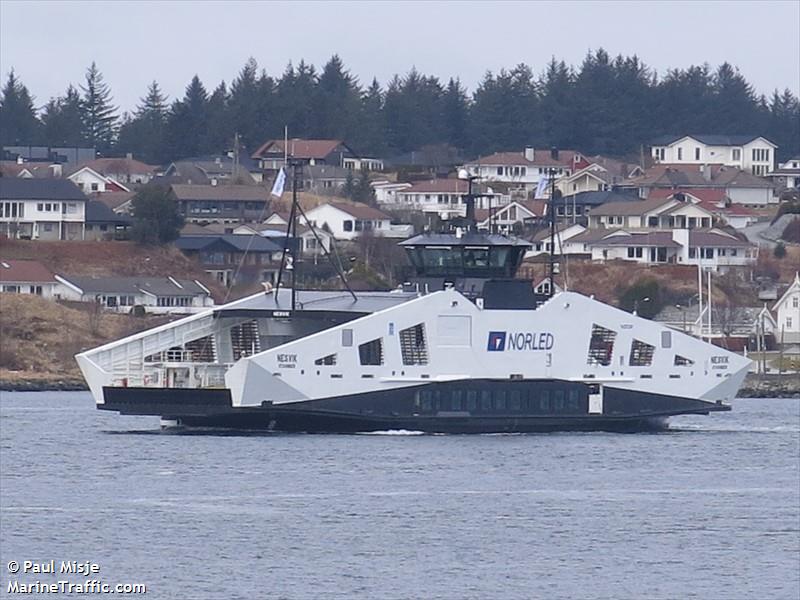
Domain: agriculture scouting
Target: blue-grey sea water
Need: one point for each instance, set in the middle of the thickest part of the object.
(710, 509)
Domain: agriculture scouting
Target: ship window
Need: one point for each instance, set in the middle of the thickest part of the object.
(427, 402)
(413, 346)
(371, 353)
(514, 400)
(328, 361)
(486, 400)
(472, 399)
(601, 346)
(457, 400)
(682, 361)
(573, 401)
(558, 400)
(500, 399)
(347, 338)
(245, 339)
(202, 350)
(544, 401)
(666, 339)
(641, 354)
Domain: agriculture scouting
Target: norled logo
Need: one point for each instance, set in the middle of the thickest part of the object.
(500, 340)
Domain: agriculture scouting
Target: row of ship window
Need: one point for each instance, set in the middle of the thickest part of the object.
(567, 401)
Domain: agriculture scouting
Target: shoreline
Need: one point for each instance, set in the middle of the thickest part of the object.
(755, 386)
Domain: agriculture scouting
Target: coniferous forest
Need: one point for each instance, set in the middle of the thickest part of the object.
(604, 105)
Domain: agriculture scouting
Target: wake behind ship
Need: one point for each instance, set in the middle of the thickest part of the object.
(462, 347)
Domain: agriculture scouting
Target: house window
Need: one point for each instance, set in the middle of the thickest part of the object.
(692, 252)
(680, 153)
(499, 170)
(94, 187)
(788, 322)
(347, 225)
(736, 154)
(697, 153)
(795, 302)
(39, 207)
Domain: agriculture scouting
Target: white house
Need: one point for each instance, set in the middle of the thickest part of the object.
(563, 237)
(755, 154)
(126, 170)
(787, 175)
(664, 213)
(447, 197)
(525, 169)
(45, 209)
(159, 295)
(386, 192)
(92, 182)
(348, 221)
(27, 277)
(787, 311)
(593, 178)
(309, 244)
(520, 212)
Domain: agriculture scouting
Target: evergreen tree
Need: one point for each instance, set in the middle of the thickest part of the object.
(244, 105)
(455, 109)
(220, 131)
(295, 100)
(682, 101)
(143, 134)
(733, 105)
(556, 105)
(413, 112)
(18, 122)
(187, 123)
(97, 112)
(156, 219)
(369, 136)
(61, 120)
(337, 102)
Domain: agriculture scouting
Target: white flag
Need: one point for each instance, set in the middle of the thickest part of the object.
(280, 181)
(541, 189)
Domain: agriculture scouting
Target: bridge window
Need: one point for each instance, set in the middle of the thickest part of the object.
(413, 346)
(601, 346)
(641, 354)
(682, 361)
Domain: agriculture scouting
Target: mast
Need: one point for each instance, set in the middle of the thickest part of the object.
(552, 173)
(293, 231)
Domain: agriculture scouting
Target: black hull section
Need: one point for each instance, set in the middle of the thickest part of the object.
(485, 406)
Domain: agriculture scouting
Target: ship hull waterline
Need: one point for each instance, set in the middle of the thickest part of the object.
(625, 412)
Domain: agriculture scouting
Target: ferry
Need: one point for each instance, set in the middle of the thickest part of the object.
(463, 346)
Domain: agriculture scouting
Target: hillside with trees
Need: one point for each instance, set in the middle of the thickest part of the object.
(609, 105)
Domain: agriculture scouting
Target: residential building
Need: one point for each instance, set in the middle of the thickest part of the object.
(102, 223)
(517, 214)
(272, 154)
(593, 178)
(27, 277)
(574, 208)
(562, 241)
(323, 179)
(160, 295)
(127, 171)
(754, 154)
(48, 154)
(524, 169)
(221, 203)
(787, 314)
(213, 169)
(41, 209)
(313, 242)
(740, 186)
(349, 221)
(733, 327)
(92, 182)
(656, 212)
(714, 201)
(386, 192)
(787, 175)
(232, 259)
(714, 249)
(447, 197)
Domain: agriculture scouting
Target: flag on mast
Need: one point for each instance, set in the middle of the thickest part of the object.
(541, 189)
(280, 182)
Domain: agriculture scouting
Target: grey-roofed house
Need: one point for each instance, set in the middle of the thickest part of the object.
(233, 259)
(102, 223)
(221, 203)
(49, 154)
(121, 294)
(574, 208)
(43, 209)
(214, 169)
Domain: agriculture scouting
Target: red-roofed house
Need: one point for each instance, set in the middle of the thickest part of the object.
(271, 153)
(524, 169)
(348, 221)
(27, 277)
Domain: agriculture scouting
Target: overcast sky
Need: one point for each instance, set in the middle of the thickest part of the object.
(50, 44)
